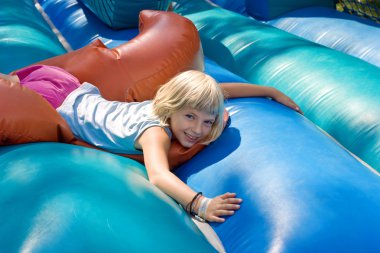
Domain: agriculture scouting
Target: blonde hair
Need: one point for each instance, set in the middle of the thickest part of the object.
(193, 89)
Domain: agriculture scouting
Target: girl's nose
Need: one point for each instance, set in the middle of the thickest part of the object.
(197, 128)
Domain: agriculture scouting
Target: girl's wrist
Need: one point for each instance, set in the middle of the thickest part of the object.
(198, 203)
(191, 206)
(197, 207)
(203, 206)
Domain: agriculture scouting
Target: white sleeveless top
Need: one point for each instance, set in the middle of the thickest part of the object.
(111, 125)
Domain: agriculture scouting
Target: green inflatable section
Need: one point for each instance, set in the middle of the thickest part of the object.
(269, 9)
(120, 14)
(25, 37)
(338, 92)
(84, 200)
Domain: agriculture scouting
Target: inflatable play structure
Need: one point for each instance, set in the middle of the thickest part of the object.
(338, 92)
(320, 21)
(310, 183)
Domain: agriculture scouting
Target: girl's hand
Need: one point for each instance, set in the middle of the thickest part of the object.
(287, 101)
(223, 205)
(12, 78)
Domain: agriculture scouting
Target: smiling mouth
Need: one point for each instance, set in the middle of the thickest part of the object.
(191, 138)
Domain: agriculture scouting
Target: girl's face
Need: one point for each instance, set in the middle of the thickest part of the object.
(190, 126)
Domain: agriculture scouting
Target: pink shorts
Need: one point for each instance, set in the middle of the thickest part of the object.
(52, 83)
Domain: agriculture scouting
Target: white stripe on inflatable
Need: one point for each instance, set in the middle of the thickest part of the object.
(60, 37)
(210, 235)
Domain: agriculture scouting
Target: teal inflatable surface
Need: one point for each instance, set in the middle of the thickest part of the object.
(62, 198)
(338, 92)
(269, 9)
(25, 36)
(347, 32)
(119, 14)
(301, 190)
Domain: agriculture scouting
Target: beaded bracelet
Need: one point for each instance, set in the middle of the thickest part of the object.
(190, 206)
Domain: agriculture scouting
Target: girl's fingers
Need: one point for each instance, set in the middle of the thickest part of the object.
(287, 101)
(223, 205)
(228, 195)
(217, 215)
(229, 207)
(224, 213)
(216, 219)
(232, 201)
(296, 107)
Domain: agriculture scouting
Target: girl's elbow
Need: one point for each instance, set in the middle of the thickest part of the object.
(156, 180)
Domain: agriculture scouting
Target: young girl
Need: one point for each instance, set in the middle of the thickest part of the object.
(188, 108)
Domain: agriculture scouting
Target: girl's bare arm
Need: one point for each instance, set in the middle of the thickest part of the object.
(155, 144)
(236, 90)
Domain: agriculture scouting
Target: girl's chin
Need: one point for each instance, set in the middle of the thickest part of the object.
(187, 144)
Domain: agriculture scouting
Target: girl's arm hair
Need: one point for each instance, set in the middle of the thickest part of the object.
(240, 90)
(155, 144)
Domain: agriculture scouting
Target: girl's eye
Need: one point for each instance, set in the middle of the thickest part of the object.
(209, 122)
(189, 116)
